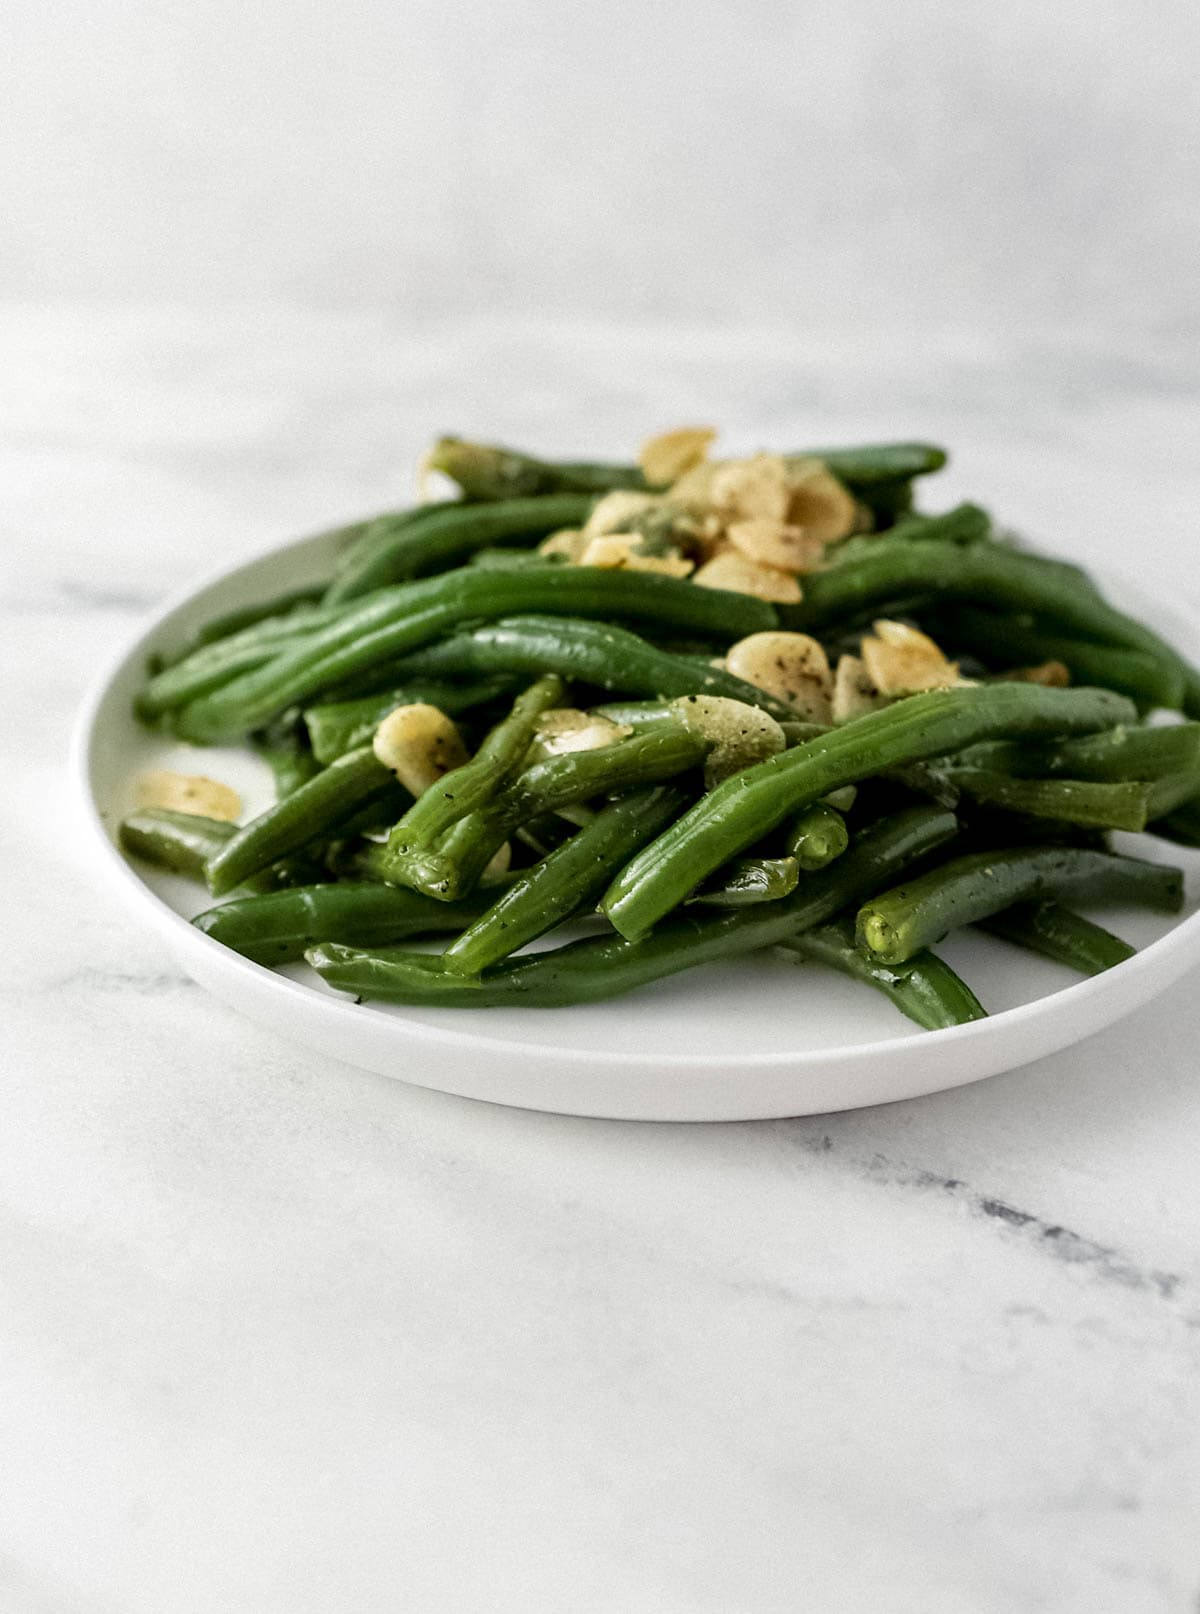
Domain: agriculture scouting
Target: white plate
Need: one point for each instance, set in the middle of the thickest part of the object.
(762, 1037)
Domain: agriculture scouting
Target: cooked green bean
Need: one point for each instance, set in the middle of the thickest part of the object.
(1057, 933)
(606, 966)
(314, 810)
(567, 881)
(989, 574)
(756, 801)
(451, 868)
(591, 652)
(335, 727)
(435, 536)
(964, 524)
(248, 616)
(1140, 752)
(923, 988)
(749, 880)
(875, 464)
(180, 842)
(277, 927)
(1123, 804)
(817, 835)
(898, 923)
(380, 628)
(466, 788)
(486, 471)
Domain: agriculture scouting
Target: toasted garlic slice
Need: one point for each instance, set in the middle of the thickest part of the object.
(854, 691)
(419, 744)
(566, 728)
(750, 488)
(1053, 674)
(189, 793)
(819, 503)
(904, 661)
(771, 543)
(667, 456)
(692, 492)
(791, 666)
(617, 509)
(567, 541)
(621, 550)
(741, 735)
(732, 570)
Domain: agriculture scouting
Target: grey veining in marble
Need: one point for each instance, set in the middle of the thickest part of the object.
(277, 1337)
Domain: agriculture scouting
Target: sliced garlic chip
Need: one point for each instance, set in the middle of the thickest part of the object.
(740, 735)
(666, 457)
(622, 550)
(791, 666)
(565, 728)
(732, 570)
(752, 488)
(617, 509)
(772, 543)
(420, 744)
(819, 503)
(854, 691)
(189, 793)
(567, 541)
(904, 661)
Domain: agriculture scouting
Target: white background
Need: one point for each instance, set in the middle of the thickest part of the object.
(935, 162)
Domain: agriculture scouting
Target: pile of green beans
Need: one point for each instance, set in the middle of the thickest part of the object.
(856, 846)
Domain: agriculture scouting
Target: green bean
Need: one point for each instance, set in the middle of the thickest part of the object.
(749, 880)
(757, 800)
(248, 616)
(486, 471)
(439, 535)
(924, 988)
(180, 842)
(1150, 753)
(1123, 804)
(990, 574)
(1013, 641)
(277, 927)
(1057, 933)
(291, 766)
(875, 464)
(567, 881)
(335, 727)
(607, 966)
(470, 786)
(451, 868)
(898, 923)
(499, 560)
(589, 652)
(340, 790)
(817, 835)
(379, 629)
(964, 524)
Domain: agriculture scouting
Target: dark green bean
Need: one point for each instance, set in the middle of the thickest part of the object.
(748, 880)
(817, 835)
(180, 842)
(898, 923)
(1150, 753)
(756, 801)
(335, 727)
(438, 535)
(466, 788)
(338, 791)
(277, 927)
(567, 881)
(964, 524)
(875, 464)
(989, 574)
(1181, 826)
(1123, 804)
(1055, 932)
(377, 630)
(589, 652)
(924, 988)
(607, 966)
(486, 471)
(451, 868)
(247, 616)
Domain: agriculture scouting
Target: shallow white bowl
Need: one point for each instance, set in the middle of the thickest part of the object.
(763, 1037)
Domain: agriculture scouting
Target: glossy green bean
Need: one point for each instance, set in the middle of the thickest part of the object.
(607, 966)
(451, 868)
(1119, 804)
(875, 464)
(180, 842)
(314, 810)
(590, 652)
(963, 524)
(898, 923)
(567, 881)
(756, 801)
(817, 835)
(276, 928)
(248, 616)
(487, 471)
(471, 786)
(1055, 932)
(989, 574)
(379, 629)
(749, 880)
(335, 727)
(924, 988)
(1139, 752)
(439, 535)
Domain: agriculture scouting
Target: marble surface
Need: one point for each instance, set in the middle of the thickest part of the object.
(279, 1336)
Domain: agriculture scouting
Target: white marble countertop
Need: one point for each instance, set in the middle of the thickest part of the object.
(283, 1338)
